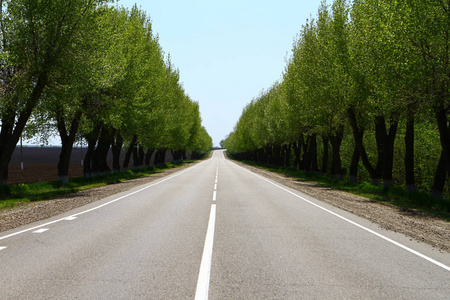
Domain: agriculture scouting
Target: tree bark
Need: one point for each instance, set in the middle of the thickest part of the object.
(354, 165)
(91, 138)
(160, 156)
(336, 141)
(306, 161)
(439, 177)
(116, 149)
(99, 159)
(67, 140)
(13, 127)
(129, 152)
(297, 154)
(385, 147)
(313, 153)
(148, 157)
(358, 134)
(409, 155)
(287, 158)
(444, 134)
(325, 158)
(138, 157)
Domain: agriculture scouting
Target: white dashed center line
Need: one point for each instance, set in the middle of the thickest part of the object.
(41, 230)
(202, 290)
(205, 266)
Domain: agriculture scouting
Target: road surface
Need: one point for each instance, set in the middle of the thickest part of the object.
(216, 230)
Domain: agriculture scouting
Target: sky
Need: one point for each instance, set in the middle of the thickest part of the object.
(227, 51)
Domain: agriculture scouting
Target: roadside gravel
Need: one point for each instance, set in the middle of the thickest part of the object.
(415, 224)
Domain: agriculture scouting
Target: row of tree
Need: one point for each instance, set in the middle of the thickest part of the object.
(93, 72)
(371, 79)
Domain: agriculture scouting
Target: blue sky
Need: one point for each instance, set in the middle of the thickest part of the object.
(227, 51)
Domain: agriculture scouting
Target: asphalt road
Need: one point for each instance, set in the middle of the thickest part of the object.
(216, 230)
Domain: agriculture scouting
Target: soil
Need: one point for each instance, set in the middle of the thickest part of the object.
(415, 224)
(40, 164)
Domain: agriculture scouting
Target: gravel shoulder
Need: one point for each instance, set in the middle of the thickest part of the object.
(415, 224)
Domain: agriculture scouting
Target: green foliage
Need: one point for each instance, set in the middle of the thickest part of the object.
(79, 65)
(360, 68)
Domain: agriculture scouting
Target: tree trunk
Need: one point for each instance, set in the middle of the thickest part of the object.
(297, 154)
(148, 157)
(92, 142)
(409, 155)
(160, 156)
(129, 152)
(287, 158)
(306, 161)
(439, 177)
(358, 134)
(336, 141)
(385, 144)
(99, 158)
(444, 134)
(269, 155)
(138, 157)
(13, 126)
(178, 154)
(67, 140)
(354, 165)
(116, 149)
(313, 153)
(276, 155)
(326, 144)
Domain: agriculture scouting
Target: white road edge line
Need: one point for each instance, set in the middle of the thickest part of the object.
(100, 206)
(354, 223)
(204, 274)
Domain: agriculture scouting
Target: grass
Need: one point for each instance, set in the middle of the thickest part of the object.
(394, 195)
(22, 194)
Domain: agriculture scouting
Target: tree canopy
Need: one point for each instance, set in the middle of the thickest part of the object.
(370, 79)
(95, 71)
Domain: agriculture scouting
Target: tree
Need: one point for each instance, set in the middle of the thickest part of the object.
(35, 39)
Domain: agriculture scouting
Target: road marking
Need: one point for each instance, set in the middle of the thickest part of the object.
(215, 196)
(202, 290)
(102, 205)
(354, 223)
(2, 248)
(215, 186)
(71, 218)
(41, 230)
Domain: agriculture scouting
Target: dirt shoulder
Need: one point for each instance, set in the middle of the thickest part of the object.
(415, 224)
(35, 211)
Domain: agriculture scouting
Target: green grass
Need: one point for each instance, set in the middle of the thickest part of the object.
(22, 194)
(396, 196)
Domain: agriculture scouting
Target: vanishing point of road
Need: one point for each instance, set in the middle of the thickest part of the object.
(220, 231)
